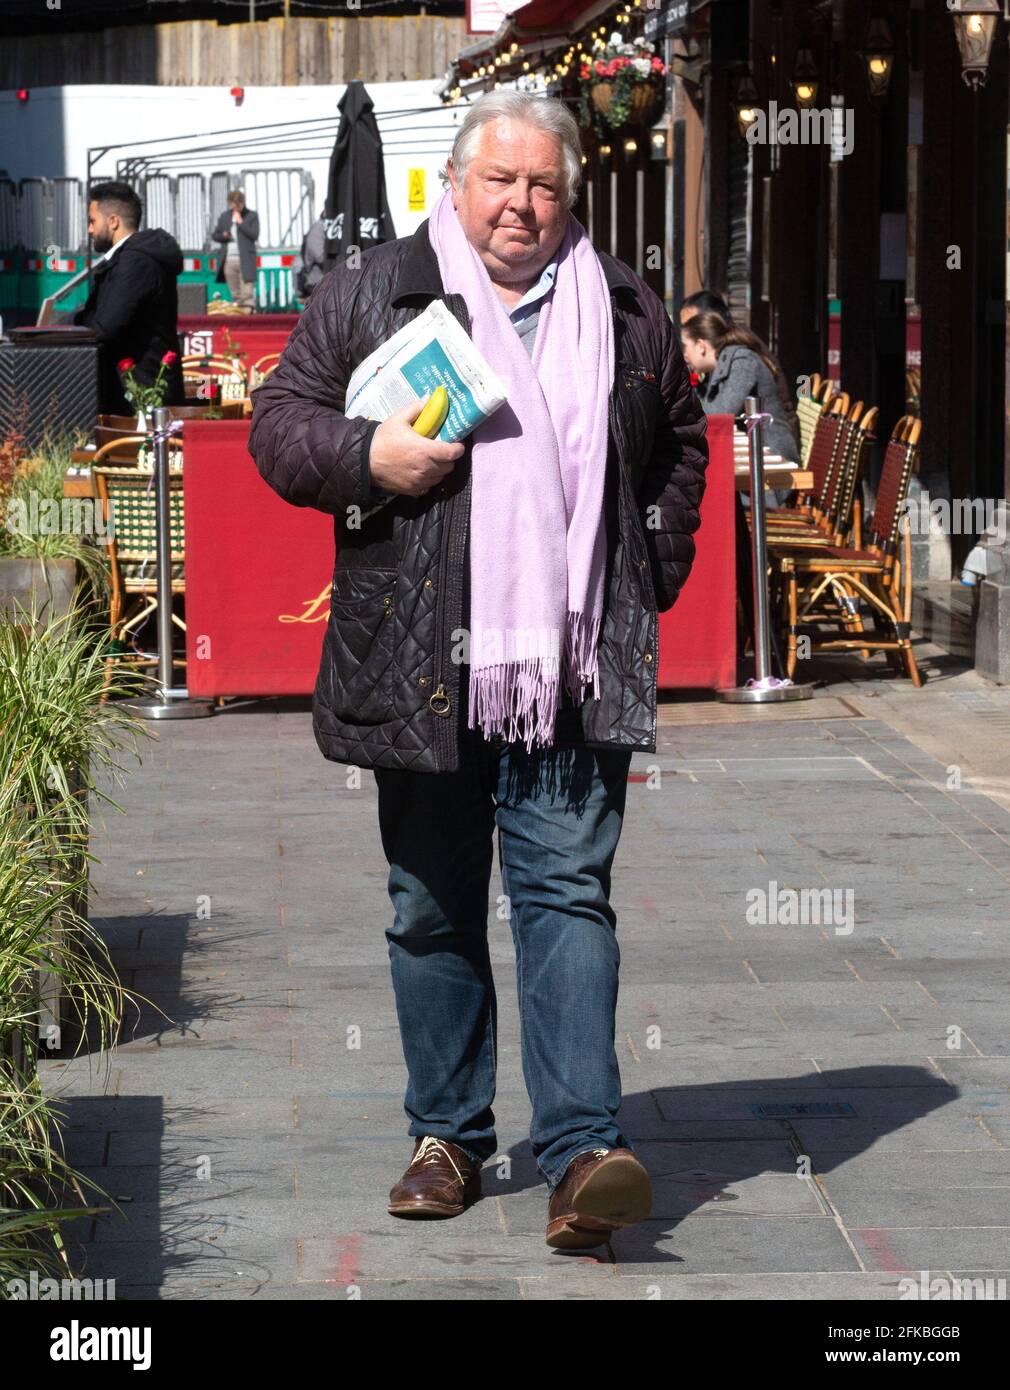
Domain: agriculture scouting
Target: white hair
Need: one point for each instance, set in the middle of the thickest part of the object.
(545, 113)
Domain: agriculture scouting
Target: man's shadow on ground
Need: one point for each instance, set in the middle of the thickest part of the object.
(701, 1144)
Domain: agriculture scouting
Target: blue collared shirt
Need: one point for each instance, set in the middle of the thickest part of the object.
(525, 316)
(535, 293)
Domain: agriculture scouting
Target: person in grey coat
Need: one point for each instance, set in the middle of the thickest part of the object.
(736, 364)
(310, 267)
(237, 230)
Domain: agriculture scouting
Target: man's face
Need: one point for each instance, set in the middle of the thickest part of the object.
(102, 228)
(513, 207)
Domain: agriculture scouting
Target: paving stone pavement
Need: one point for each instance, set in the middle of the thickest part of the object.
(824, 1106)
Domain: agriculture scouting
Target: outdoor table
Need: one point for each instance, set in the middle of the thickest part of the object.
(259, 574)
(778, 472)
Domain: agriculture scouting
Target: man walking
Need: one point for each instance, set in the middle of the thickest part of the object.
(238, 230)
(491, 649)
(133, 303)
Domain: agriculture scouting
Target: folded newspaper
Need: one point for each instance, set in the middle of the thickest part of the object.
(432, 350)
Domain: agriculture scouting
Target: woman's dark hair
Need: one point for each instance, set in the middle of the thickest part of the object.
(714, 330)
(120, 199)
(711, 329)
(708, 302)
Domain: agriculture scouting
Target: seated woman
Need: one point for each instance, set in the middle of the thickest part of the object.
(736, 365)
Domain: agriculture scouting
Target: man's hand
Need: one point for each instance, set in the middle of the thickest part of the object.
(402, 461)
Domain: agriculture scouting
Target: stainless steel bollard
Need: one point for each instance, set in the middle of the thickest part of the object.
(166, 703)
(764, 687)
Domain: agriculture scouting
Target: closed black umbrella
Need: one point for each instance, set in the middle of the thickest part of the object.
(357, 211)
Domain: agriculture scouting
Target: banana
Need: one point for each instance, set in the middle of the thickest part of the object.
(432, 417)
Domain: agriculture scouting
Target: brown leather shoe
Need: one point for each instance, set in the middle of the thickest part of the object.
(601, 1191)
(440, 1180)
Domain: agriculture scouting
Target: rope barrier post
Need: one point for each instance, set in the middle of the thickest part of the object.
(763, 687)
(168, 701)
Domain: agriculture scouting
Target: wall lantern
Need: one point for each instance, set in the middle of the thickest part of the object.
(804, 78)
(975, 29)
(878, 55)
(746, 103)
(659, 137)
(604, 151)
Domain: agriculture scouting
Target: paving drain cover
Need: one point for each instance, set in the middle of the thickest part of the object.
(816, 1107)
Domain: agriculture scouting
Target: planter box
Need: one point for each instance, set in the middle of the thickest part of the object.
(49, 582)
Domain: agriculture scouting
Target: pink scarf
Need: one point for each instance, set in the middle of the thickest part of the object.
(537, 534)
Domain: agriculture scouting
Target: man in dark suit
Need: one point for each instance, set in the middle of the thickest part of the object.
(237, 230)
(133, 306)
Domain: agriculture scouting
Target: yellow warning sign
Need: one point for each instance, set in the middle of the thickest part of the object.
(415, 190)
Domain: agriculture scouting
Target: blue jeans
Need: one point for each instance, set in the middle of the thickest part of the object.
(559, 813)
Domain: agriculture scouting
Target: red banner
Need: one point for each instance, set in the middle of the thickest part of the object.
(258, 572)
(258, 576)
(697, 637)
(232, 335)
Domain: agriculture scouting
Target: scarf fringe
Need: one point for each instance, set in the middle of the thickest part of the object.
(580, 661)
(520, 700)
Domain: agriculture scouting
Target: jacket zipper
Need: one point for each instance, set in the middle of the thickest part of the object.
(440, 702)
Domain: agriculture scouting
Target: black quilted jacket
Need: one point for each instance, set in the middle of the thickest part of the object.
(389, 693)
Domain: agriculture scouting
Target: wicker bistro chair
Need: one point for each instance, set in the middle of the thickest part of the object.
(825, 455)
(127, 495)
(839, 523)
(122, 449)
(262, 368)
(809, 408)
(831, 516)
(201, 370)
(873, 572)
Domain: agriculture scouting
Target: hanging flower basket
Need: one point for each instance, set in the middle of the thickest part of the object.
(621, 86)
(643, 100)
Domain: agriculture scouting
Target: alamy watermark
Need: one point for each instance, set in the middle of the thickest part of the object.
(790, 907)
(45, 1288)
(38, 515)
(944, 1287)
(958, 516)
(809, 125)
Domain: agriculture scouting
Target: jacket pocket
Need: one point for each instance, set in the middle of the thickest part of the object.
(361, 640)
